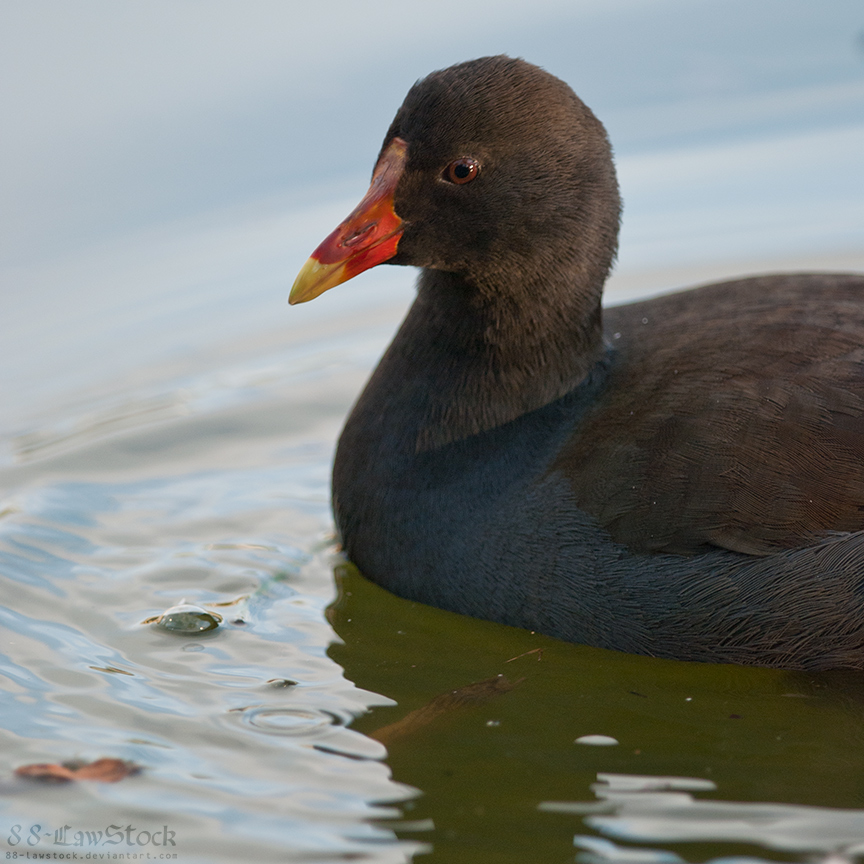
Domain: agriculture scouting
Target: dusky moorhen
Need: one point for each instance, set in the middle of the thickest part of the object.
(681, 477)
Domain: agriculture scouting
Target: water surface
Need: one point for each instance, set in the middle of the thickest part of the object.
(168, 426)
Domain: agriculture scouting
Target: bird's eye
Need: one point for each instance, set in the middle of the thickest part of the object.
(462, 170)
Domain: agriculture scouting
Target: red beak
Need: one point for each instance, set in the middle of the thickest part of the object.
(369, 236)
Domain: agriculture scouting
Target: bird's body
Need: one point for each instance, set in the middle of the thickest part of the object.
(681, 477)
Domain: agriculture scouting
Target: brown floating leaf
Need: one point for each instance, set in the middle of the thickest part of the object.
(105, 770)
(46, 773)
(471, 695)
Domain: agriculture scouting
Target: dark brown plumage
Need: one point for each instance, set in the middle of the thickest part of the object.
(682, 477)
(733, 417)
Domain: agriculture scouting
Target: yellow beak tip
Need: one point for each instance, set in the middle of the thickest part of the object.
(313, 279)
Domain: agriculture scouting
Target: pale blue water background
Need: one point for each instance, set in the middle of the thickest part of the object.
(167, 423)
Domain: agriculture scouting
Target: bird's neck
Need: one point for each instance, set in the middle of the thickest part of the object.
(467, 360)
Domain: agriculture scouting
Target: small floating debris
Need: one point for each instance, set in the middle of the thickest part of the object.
(186, 619)
(597, 740)
(104, 770)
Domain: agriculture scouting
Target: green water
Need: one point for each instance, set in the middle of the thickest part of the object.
(488, 772)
